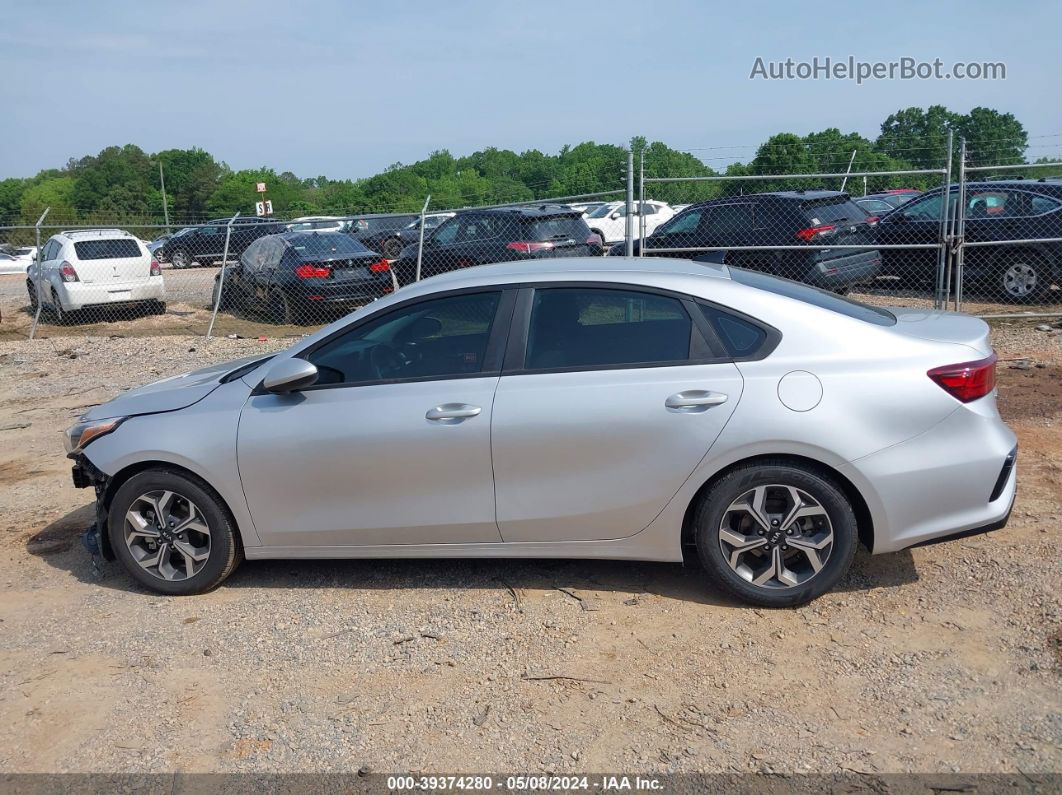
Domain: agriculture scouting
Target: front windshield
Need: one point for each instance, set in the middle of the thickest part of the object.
(601, 211)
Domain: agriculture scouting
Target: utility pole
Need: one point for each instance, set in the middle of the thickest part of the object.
(165, 209)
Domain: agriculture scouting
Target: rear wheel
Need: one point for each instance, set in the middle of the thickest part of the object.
(172, 533)
(156, 307)
(278, 307)
(775, 534)
(181, 258)
(391, 248)
(1023, 277)
(58, 314)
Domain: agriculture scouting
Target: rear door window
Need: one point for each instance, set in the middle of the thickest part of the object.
(729, 219)
(589, 327)
(120, 248)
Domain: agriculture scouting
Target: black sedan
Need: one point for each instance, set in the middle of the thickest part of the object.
(303, 277)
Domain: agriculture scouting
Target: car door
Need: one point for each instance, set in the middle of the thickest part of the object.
(917, 222)
(441, 249)
(41, 270)
(610, 398)
(392, 445)
(685, 230)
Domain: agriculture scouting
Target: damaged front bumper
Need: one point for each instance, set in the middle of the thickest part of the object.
(85, 476)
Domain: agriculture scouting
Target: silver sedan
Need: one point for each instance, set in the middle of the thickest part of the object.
(580, 408)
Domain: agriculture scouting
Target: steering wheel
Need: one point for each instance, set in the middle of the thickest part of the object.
(387, 361)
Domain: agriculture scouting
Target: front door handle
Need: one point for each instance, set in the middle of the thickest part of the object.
(695, 400)
(452, 411)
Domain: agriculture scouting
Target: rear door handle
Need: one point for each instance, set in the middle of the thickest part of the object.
(452, 411)
(695, 400)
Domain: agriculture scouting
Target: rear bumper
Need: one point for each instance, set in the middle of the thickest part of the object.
(77, 295)
(845, 270)
(954, 479)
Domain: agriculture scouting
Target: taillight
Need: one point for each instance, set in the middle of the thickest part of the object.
(872, 220)
(813, 232)
(313, 272)
(66, 270)
(529, 248)
(156, 269)
(383, 266)
(968, 380)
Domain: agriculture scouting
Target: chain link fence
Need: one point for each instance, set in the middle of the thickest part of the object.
(988, 241)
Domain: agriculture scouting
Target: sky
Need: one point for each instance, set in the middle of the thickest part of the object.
(344, 89)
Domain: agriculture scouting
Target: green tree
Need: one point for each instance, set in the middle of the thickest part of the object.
(56, 193)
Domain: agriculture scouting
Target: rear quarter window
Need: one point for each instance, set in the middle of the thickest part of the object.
(119, 248)
(740, 337)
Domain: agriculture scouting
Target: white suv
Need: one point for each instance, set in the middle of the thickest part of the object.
(95, 267)
(609, 221)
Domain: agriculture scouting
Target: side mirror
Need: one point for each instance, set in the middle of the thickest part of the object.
(290, 375)
(615, 215)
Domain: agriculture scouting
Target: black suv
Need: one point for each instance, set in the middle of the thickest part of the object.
(815, 219)
(303, 277)
(1001, 210)
(478, 237)
(206, 244)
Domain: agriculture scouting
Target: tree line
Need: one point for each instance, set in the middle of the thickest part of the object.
(121, 184)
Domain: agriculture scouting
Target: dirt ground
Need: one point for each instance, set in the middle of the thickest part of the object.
(937, 659)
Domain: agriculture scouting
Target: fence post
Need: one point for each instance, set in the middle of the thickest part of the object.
(960, 224)
(221, 276)
(420, 245)
(628, 231)
(37, 264)
(940, 300)
(641, 201)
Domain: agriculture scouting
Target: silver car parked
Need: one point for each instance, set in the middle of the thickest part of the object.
(582, 408)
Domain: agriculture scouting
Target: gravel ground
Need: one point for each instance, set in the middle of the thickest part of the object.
(938, 659)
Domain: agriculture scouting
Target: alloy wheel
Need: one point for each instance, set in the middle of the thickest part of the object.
(776, 536)
(1020, 280)
(167, 535)
(180, 259)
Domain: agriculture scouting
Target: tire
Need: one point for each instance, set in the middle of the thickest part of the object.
(170, 571)
(32, 292)
(58, 315)
(156, 307)
(278, 307)
(181, 259)
(391, 248)
(226, 297)
(1023, 277)
(827, 533)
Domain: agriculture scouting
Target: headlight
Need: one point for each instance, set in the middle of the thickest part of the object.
(81, 433)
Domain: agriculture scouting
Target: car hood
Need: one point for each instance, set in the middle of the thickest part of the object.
(169, 394)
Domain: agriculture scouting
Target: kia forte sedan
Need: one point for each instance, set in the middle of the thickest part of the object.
(578, 408)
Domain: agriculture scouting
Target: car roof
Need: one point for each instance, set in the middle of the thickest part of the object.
(297, 234)
(593, 268)
(787, 195)
(89, 234)
(538, 211)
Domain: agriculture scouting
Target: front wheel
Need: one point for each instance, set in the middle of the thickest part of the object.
(776, 534)
(172, 533)
(391, 248)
